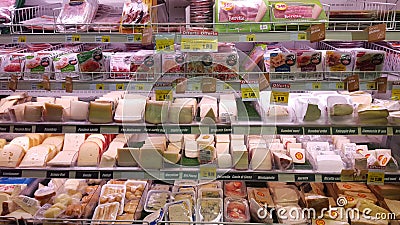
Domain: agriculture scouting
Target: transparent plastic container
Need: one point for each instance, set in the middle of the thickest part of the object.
(235, 189)
(236, 210)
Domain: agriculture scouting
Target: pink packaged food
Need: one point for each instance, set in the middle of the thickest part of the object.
(309, 61)
(5, 10)
(120, 65)
(135, 12)
(235, 189)
(236, 210)
(76, 12)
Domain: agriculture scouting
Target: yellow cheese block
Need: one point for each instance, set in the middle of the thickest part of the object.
(33, 113)
(11, 155)
(128, 156)
(37, 156)
(100, 112)
(58, 141)
(53, 112)
(25, 142)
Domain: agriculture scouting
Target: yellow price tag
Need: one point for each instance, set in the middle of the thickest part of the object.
(340, 85)
(250, 93)
(139, 87)
(40, 86)
(199, 45)
(63, 86)
(376, 177)
(208, 172)
(137, 37)
(227, 87)
(164, 95)
(301, 36)
(396, 94)
(105, 39)
(120, 87)
(76, 38)
(21, 39)
(371, 85)
(165, 44)
(196, 86)
(251, 37)
(280, 97)
(316, 85)
(99, 86)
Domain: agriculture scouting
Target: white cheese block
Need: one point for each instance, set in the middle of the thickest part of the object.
(349, 148)
(227, 110)
(222, 148)
(298, 155)
(191, 149)
(53, 112)
(237, 137)
(150, 158)
(99, 136)
(172, 154)
(33, 113)
(72, 98)
(329, 163)
(276, 147)
(79, 110)
(66, 104)
(189, 137)
(100, 112)
(11, 155)
(64, 158)
(130, 110)
(25, 142)
(37, 156)
(317, 146)
(261, 159)
(293, 145)
(89, 153)
(222, 138)
(72, 142)
(58, 141)
(109, 158)
(205, 139)
(175, 138)
(128, 156)
(188, 101)
(99, 142)
(224, 160)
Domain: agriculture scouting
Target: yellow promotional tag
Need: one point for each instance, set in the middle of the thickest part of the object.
(250, 93)
(76, 38)
(165, 44)
(251, 37)
(137, 37)
(396, 94)
(164, 95)
(302, 36)
(376, 177)
(106, 39)
(281, 6)
(208, 172)
(371, 85)
(199, 45)
(316, 85)
(280, 97)
(21, 39)
(120, 87)
(139, 87)
(99, 86)
(340, 85)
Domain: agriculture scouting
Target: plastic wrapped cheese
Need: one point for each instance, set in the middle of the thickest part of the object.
(53, 112)
(109, 158)
(33, 113)
(261, 159)
(89, 153)
(64, 158)
(130, 109)
(180, 114)
(100, 112)
(11, 155)
(79, 110)
(156, 111)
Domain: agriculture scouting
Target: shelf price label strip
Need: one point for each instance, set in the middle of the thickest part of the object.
(199, 41)
(250, 90)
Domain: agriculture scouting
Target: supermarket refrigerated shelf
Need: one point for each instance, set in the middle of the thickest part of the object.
(242, 127)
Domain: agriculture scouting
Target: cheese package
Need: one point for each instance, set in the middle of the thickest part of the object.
(57, 141)
(156, 112)
(224, 160)
(298, 155)
(100, 112)
(180, 114)
(329, 163)
(11, 155)
(172, 154)
(89, 154)
(65, 158)
(25, 142)
(33, 113)
(128, 156)
(228, 111)
(72, 142)
(79, 110)
(282, 161)
(261, 159)
(150, 157)
(354, 187)
(130, 109)
(310, 61)
(66, 104)
(53, 112)
(109, 158)
(369, 60)
(240, 157)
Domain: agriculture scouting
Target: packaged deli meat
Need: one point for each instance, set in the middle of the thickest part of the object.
(6, 6)
(236, 210)
(283, 61)
(135, 12)
(283, 12)
(338, 61)
(369, 60)
(74, 13)
(66, 66)
(235, 12)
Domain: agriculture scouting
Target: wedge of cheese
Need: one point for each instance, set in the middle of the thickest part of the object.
(53, 112)
(100, 112)
(89, 154)
(72, 142)
(172, 154)
(128, 156)
(156, 112)
(66, 104)
(206, 104)
(151, 157)
(188, 102)
(37, 156)
(261, 159)
(58, 141)
(224, 160)
(11, 155)
(64, 158)
(179, 113)
(240, 157)
(79, 110)
(25, 142)
(36, 138)
(109, 157)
